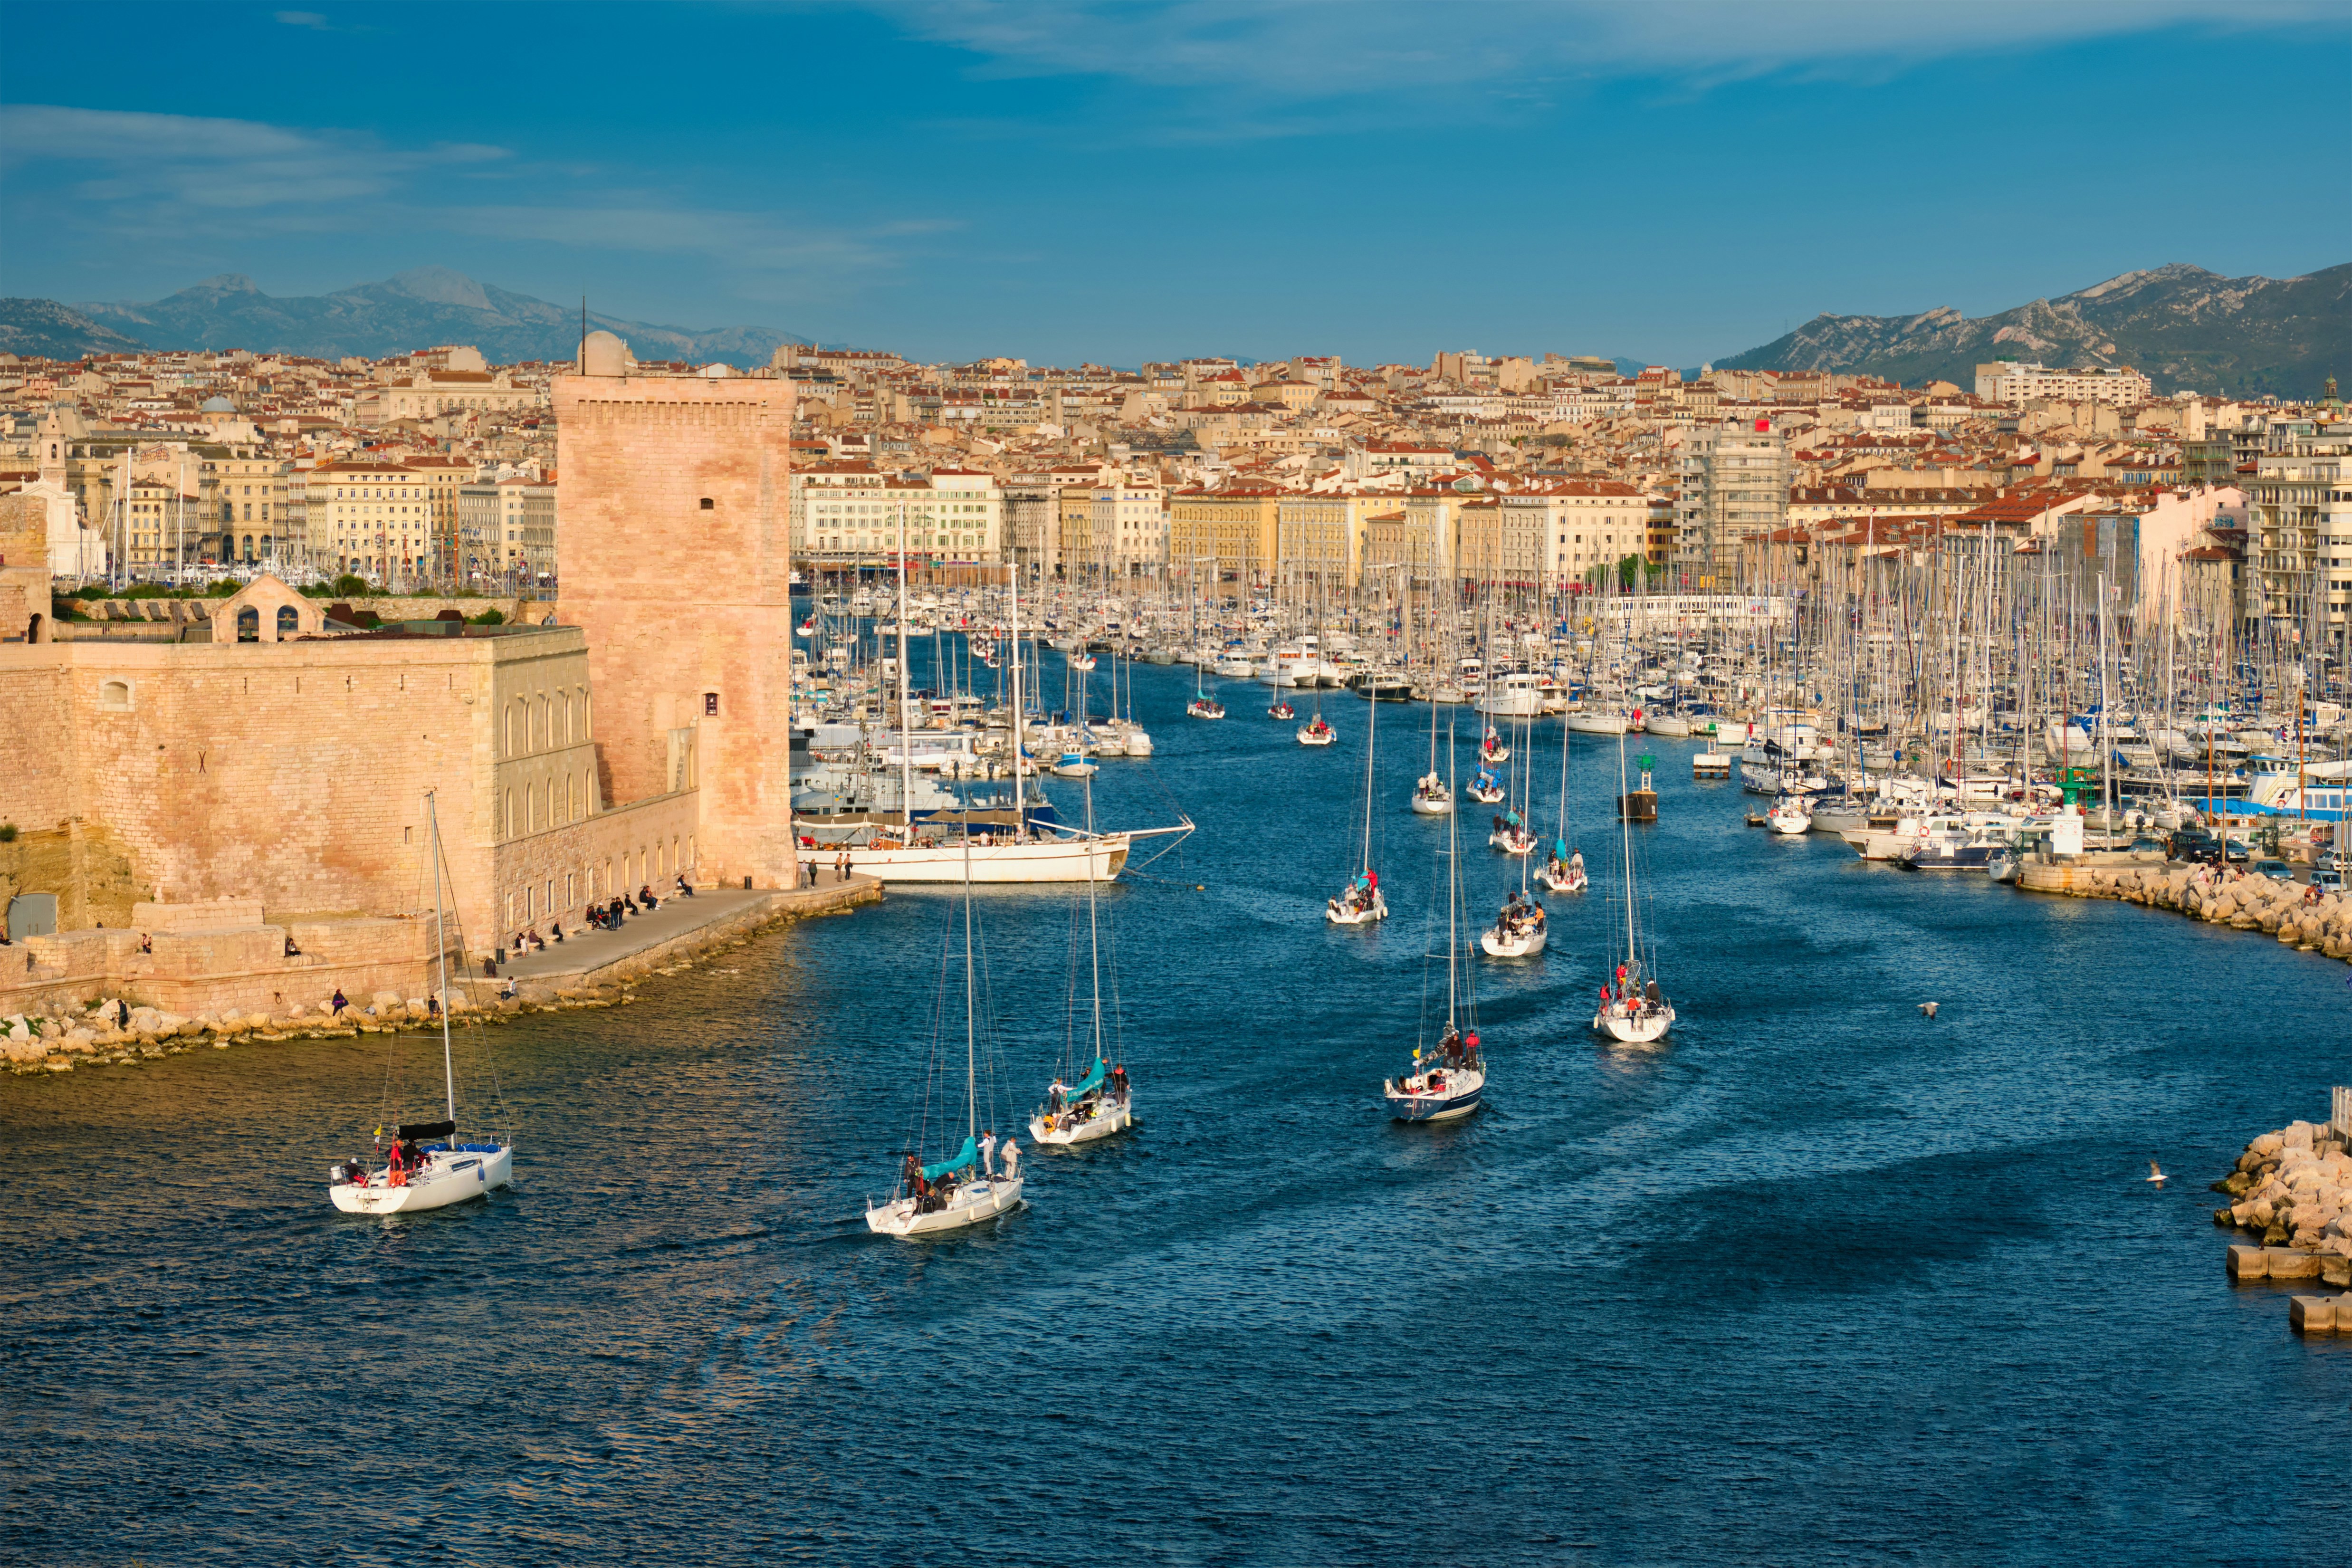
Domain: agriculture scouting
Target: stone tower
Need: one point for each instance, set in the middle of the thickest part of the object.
(673, 554)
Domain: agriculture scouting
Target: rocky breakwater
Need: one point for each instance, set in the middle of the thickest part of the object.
(2289, 910)
(112, 1033)
(2293, 1188)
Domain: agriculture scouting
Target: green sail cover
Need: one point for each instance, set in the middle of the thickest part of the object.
(968, 1155)
(1085, 1086)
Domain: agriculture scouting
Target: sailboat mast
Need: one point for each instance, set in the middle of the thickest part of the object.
(1625, 838)
(1453, 880)
(1372, 733)
(905, 714)
(971, 1054)
(441, 942)
(1020, 809)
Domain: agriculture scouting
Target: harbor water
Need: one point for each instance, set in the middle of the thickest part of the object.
(1817, 1280)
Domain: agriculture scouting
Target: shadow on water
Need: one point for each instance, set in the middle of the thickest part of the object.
(1815, 1279)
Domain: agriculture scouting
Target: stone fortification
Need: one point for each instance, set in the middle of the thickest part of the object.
(675, 559)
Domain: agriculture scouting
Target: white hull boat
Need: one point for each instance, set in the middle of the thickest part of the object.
(1789, 818)
(1669, 724)
(1525, 942)
(1587, 721)
(974, 1203)
(1137, 744)
(1439, 1094)
(1083, 1125)
(1431, 800)
(1351, 913)
(1048, 860)
(1568, 878)
(1637, 1027)
(1512, 841)
(449, 1176)
(1311, 735)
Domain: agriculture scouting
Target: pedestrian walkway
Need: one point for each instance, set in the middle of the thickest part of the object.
(676, 922)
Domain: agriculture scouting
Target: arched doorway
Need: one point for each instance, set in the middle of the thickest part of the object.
(33, 629)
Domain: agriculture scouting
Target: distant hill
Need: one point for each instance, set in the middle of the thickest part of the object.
(2181, 326)
(47, 329)
(414, 310)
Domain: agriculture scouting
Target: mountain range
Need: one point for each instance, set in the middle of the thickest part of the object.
(2187, 329)
(412, 310)
(46, 330)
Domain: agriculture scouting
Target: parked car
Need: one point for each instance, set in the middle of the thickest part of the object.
(2328, 881)
(2329, 861)
(2237, 852)
(2276, 871)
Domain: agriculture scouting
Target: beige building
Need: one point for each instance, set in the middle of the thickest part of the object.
(1239, 527)
(373, 518)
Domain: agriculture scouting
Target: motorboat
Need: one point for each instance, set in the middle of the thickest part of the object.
(1072, 765)
(1520, 695)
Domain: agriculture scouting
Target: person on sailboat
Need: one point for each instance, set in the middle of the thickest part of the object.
(987, 1154)
(1012, 1161)
(1118, 1083)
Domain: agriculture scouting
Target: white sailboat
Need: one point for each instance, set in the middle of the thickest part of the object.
(959, 1191)
(428, 1175)
(1432, 795)
(1563, 872)
(1360, 902)
(1448, 1081)
(1102, 1101)
(1632, 1008)
(1791, 814)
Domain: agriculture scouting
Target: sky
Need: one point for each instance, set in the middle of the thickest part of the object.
(1068, 180)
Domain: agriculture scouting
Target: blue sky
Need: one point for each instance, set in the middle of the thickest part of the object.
(1065, 179)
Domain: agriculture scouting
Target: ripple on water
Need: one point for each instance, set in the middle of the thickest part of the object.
(1816, 1280)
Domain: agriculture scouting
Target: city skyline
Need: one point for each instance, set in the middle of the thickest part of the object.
(1077, 182)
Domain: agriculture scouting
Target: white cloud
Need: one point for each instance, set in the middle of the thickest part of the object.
(145, 178)
(1306, 50)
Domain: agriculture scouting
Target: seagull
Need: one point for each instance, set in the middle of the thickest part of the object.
(2155, 1171)
(1928, 1009)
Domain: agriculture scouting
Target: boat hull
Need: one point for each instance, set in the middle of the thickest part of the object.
(1057, 860)
(1432, 805)
(1571, 881)
(1465, 1090)
(449, 1178)
(1339, 914)
(1597, 723)
(1524, 945)
(1634, 1031)
(976, 1203)
(1059, 1132)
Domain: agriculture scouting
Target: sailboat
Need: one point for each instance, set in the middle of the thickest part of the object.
(1101, 1102)
(958, 1191)
(1432, 795)
(1360, 902)
(1633, 1007)
(1512, 835)
(448, 1172)
(1449, 1081)
(1564, 872)
(1315, 731)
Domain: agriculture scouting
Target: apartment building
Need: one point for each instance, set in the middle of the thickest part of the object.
(2299, 530)
(1732, 479)
(1238, 527)
(2013, 382)
(371, 518)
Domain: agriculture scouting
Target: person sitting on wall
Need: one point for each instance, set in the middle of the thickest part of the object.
(683, 886)
(291, 950)
(645, 897)
(146, 942)
(558, 930)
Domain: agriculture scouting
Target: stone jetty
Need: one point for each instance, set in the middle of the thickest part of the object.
(116, 1032)
(2293, 1188)
(2287, 911)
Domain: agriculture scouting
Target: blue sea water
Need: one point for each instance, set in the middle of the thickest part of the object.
(1816, 1280)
